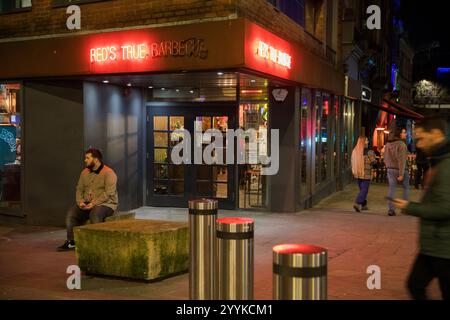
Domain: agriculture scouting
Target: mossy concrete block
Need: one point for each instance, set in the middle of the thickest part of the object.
(121, 216)
(135, 249)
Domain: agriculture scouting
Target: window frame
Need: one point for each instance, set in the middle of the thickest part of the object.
(17, 10)
(55, 3)
(276, 4)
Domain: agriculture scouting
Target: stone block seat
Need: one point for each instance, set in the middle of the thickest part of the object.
(118, 215)
(133, 249)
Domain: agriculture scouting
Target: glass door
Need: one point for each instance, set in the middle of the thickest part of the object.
(167, 179)
(174, 185)
(212, 175)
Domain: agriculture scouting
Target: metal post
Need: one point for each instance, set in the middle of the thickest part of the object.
(235, 259)
(299, 272)
(202, 249)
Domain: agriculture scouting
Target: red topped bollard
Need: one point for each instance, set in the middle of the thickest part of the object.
(299, 272)
(235, 258)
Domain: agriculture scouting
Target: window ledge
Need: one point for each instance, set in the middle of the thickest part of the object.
(17, 10)
(78, 2)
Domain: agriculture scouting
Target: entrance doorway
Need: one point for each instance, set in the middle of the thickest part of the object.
(174, 185)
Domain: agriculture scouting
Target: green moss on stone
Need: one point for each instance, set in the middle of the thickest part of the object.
(138, 249)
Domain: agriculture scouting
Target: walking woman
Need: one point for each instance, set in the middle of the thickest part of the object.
(362, 161)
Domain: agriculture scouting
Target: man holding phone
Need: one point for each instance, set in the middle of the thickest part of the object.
(96, 196)
(433, 260)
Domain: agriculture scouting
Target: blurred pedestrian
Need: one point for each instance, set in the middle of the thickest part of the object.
(421, 168)
(433, 210)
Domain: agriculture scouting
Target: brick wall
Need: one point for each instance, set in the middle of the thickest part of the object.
(266, 15)
(44, 20)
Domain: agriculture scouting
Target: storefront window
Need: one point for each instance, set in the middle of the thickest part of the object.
(318, 114)
(324, 136)
(10, 146)
(348, 132)
(252, 185)
(335, 135)
(304, 140)
(352, 131)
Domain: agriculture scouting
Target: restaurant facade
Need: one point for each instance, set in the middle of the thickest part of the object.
(129, 92)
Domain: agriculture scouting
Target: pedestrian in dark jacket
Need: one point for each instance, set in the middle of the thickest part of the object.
(395, 158)
(433, 210)
(422, 167)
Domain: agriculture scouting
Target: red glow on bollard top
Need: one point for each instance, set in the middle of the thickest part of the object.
(234, 220)
(297, 248)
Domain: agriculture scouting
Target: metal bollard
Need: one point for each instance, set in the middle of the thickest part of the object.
(235, 259)
(299, 272)
(202, 249)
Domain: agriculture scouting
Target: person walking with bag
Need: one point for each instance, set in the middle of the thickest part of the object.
(362, 161)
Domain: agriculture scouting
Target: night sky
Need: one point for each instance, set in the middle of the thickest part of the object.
(427, 21)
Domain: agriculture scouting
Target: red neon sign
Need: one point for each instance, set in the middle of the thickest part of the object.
(191, 47)
(116, 53)
(268, 52)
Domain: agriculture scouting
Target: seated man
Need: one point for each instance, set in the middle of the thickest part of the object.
(96, 196)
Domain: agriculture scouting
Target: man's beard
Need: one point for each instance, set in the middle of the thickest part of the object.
(90, 165)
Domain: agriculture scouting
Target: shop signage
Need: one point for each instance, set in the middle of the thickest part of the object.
(280, 94)
(274, 55)
(366, 94)
(191, 47)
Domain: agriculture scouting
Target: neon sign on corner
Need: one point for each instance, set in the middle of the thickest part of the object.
(191, 47)
(279, 57)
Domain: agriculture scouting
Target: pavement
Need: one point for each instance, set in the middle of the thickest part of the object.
(31, 268)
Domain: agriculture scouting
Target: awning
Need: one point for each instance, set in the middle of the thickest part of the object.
(401, 110)
(397, 109)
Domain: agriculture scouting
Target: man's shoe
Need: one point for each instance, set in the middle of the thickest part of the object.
(391, 213)
(67, 246)
(365, 208)
(357, 207)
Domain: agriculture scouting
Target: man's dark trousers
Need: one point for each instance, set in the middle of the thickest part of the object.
(425, 269)
(77, 217)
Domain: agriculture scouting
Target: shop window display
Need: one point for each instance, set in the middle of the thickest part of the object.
(325, 137)
(305, 144)
(10, 146)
